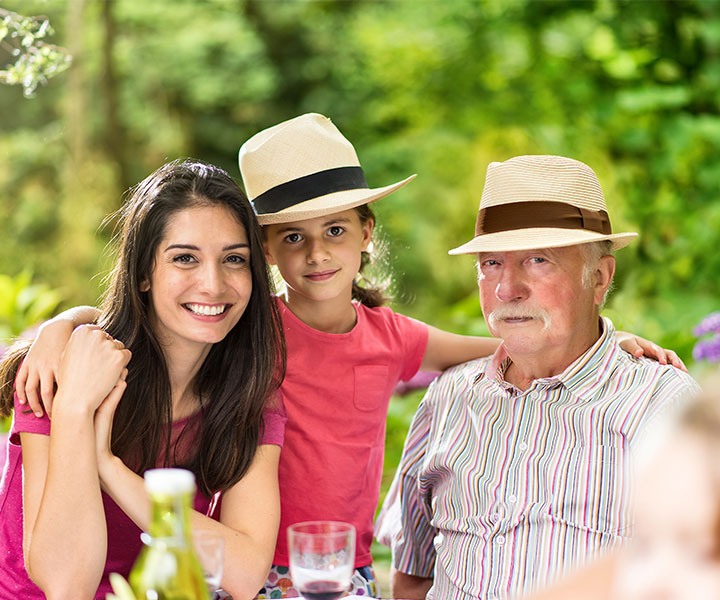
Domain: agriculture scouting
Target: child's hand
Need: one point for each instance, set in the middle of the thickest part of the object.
(638, 346)
(36, 377)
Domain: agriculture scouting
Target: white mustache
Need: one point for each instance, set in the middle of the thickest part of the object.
(516, 312)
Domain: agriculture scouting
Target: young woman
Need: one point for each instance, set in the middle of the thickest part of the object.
(189, 300)
(346, 352)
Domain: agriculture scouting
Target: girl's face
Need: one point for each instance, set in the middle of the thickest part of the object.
(673, 553)
(201, 279)
(319, 258)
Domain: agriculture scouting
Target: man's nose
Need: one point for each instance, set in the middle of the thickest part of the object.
(512, 285)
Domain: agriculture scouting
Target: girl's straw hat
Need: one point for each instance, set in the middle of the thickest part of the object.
(302, 169)
(533, 202)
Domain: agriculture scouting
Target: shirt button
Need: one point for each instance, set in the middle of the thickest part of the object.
(494, 518)
(523, 446)
(512, 498)
(500, 540)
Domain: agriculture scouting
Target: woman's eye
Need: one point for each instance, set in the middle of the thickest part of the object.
(293, 238)
(183, 258)
(236, 259)
(335, 231)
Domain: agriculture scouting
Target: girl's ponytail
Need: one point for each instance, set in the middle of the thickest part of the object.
(370, 294)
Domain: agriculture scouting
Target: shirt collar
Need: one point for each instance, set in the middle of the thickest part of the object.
(587, 373)
(592, 369)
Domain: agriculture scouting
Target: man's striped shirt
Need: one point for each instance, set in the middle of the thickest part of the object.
(500, 491)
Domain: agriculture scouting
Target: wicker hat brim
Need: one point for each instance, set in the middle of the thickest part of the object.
(537, 238)
(330, 204)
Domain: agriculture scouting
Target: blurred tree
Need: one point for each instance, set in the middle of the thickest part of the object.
(35, 61)
(438, 88)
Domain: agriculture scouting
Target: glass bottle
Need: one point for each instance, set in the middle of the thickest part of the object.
(167, 567)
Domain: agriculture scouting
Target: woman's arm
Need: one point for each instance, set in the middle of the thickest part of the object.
(64, 531)
(249, 518)
(38, 372)
(445, 349)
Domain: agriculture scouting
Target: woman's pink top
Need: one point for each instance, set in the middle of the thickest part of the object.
(123, 535)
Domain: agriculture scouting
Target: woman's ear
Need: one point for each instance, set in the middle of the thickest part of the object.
(144, 285)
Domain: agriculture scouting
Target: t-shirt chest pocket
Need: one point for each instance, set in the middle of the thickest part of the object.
(371, 387)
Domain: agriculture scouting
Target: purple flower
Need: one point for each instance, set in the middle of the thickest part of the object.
(710, 324)
(708, 349)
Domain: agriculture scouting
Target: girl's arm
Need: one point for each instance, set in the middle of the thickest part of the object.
(38, 372)
(64, 531)
(445, 349)
(249, 518)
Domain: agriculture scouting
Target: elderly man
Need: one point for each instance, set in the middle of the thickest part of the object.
(517, 467)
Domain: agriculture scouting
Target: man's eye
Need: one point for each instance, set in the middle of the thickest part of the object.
(335, 231)
(538, 260)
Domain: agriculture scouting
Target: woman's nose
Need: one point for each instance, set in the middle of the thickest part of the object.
(213, 280)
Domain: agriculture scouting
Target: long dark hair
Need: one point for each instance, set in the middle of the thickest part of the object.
(371, 293)
(239, 374)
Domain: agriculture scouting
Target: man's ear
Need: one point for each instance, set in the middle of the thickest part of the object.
(367, 230)
(602, 277)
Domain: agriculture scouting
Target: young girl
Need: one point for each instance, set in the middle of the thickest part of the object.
(189, 299)
(346, 352)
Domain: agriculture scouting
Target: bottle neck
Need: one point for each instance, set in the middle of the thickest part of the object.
(170, 517)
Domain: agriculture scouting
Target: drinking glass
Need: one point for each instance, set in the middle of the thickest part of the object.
(210, 549)
(322, 558)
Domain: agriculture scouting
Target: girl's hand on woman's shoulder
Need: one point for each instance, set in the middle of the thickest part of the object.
(91, 365)
(37, 376)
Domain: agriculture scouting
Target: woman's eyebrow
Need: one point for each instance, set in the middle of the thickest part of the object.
(193, 247)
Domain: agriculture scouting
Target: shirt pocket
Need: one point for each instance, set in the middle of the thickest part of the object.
(370, 386)
(591, 490)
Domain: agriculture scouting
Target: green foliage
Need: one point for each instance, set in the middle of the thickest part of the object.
(35, 61)
(24, 304)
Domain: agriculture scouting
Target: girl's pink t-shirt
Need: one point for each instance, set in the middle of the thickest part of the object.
(123, 535)
(336, 393)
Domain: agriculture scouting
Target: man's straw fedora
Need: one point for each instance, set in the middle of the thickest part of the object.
(304, 168)
(534, 202)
